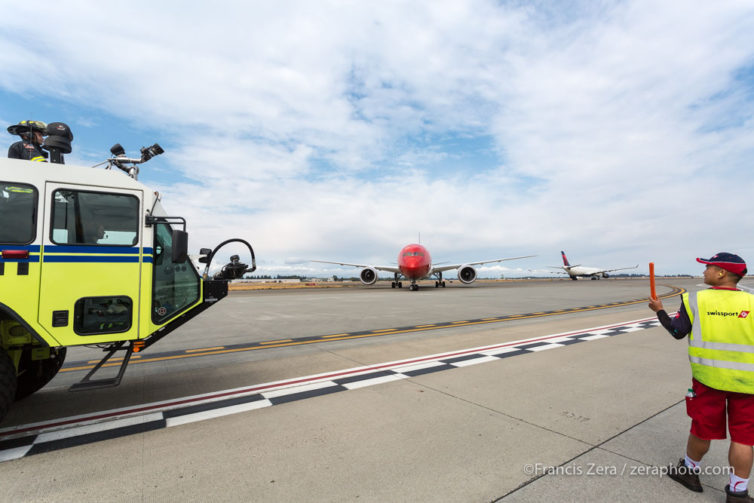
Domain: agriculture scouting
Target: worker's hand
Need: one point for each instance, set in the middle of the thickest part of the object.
(655, 305)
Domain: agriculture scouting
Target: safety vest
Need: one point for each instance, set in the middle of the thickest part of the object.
(721, 342)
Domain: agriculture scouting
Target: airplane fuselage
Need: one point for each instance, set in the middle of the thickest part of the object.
(583, 271)
(414, 262)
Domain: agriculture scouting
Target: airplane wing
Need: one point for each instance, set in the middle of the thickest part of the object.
(456, 266)
(618, 269)
(387, 268)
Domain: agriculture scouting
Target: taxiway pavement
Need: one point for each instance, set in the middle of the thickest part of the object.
(578, 422)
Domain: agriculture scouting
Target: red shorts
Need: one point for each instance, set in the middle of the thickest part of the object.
(707, 411)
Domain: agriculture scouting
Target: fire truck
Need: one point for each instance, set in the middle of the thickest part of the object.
(88, 256)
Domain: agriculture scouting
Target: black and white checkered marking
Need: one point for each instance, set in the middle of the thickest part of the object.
(26, 440)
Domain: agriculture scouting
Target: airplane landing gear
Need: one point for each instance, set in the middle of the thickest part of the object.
(414, 287)
(396, 283)
(439, 282)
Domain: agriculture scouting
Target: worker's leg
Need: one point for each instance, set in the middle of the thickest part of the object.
(741, 457)
(697, 447)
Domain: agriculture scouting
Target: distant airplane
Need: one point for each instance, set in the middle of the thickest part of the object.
(578, 271)
(415, 263)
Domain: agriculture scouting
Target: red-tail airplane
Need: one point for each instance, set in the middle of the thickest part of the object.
(415, 263)
(579, 271)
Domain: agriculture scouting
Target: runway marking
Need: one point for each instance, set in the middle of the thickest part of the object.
(195, 350)
(48, 436)
(255, 346)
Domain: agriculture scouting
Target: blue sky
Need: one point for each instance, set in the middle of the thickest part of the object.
(620, 132)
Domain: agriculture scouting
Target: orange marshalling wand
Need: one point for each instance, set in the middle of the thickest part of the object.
(652, 291)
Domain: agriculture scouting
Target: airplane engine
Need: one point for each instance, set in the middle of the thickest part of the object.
(466, 274)
(605, 275)
(368, 276)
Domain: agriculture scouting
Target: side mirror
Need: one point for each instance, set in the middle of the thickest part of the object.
(180, 246)
(205, 252)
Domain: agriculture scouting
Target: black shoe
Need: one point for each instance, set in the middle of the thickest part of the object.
(688, 477)
(739, 497)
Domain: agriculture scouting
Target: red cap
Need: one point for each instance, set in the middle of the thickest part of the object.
(728, 261)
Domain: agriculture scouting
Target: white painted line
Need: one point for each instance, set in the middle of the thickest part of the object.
(291, 390)
(593, 337)
(15, 453)
(418, 366)
(498, 351)
(372, 382)
(211, 414)
(97, 427)
(482, 359)
(546, 347)
(567, 338)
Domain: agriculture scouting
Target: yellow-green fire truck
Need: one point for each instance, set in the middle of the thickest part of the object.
(88, 257)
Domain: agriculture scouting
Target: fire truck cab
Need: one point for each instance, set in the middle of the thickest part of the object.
(87, 257)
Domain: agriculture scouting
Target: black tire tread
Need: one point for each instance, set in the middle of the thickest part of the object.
(8, 382)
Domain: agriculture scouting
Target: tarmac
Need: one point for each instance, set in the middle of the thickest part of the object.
(594, 421)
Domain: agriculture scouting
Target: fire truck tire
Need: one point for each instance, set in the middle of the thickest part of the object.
(34, 374)
(8, 383)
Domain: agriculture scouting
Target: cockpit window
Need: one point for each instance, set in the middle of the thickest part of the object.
(413, 254)
(94, 218)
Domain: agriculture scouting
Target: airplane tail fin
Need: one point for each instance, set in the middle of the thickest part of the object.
(565, 259)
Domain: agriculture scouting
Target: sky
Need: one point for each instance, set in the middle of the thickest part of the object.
(618, 131)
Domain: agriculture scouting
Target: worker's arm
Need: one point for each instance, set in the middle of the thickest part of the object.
(679, 326)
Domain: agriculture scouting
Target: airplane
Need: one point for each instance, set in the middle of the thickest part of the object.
(415, 263)
(578, 271)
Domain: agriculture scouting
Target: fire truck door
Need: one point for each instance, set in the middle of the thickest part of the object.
(91, 264)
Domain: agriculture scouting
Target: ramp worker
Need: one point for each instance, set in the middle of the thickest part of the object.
(720, 324)
(29, 148)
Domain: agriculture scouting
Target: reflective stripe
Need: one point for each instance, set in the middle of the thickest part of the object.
(38, 158)
(722, 346)
(696, 325)
(722, 364)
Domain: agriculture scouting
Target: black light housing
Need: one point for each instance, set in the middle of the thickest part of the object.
(58, 141)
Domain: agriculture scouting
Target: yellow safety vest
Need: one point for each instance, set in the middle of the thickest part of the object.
(721, 342)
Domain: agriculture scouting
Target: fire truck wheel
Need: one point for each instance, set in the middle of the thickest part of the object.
(8, 382)
(34, 374)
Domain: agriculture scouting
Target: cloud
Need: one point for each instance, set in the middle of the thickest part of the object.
(620, 130)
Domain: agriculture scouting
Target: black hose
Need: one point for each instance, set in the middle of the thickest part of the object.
(233, 240)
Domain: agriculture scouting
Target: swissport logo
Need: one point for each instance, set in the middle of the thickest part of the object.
(729, 314)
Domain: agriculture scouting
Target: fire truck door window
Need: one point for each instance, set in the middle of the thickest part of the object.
(175, 286)
(18, 213)
(94, 218)
(102, 315)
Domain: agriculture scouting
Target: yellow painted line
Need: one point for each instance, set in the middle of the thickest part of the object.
(119, 359)
(274, 342)
(339, 337)
(489, 319)
(425, 326)
(204, 349)
(457, 322)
